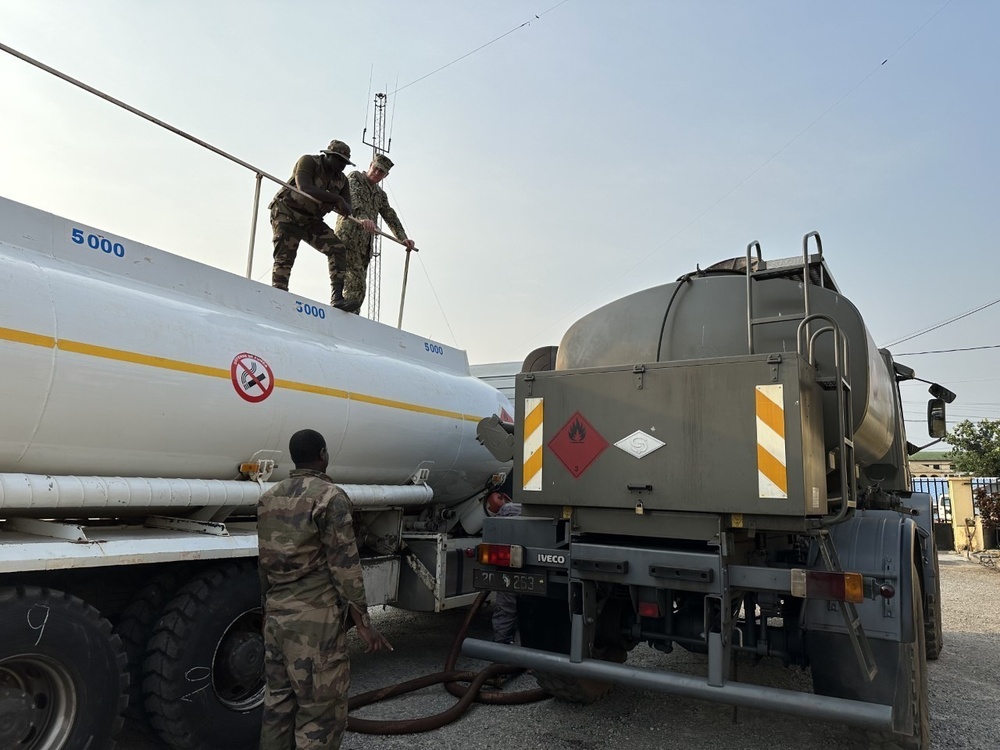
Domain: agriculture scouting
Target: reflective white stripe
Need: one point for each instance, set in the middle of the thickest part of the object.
(532, 456)
(771, 441)
(772, 474)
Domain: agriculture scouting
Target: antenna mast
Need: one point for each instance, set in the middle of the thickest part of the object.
(380, 145)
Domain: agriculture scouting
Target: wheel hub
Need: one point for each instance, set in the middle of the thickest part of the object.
(242, 657)
(18, 716)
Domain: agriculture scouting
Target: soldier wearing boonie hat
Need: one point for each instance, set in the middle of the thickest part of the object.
(369, 201)
(383, 162)
(296, 218)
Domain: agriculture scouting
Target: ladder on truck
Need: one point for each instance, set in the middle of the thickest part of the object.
(811, 270)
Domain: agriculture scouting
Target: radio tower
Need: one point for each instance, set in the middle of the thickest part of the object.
(380, 145)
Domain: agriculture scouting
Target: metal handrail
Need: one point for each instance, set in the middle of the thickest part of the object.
(260, 173)
(845, 406)
(751, 246)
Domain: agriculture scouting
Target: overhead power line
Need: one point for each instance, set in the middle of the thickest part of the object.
(947, 351)
(942, 324)
(481, 47)
(669, 240)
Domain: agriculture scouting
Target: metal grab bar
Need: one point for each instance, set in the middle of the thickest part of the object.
(845, 405)
(156, 121)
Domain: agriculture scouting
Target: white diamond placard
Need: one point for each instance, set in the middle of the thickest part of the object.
(639, 444)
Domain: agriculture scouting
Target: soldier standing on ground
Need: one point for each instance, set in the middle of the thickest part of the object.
(295, 218)
(311, 582)
(504, 605)
(369, 201)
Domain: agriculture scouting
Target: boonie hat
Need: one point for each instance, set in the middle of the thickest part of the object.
(383, 162)
(339, 148)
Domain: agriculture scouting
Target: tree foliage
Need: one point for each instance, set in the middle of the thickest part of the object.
(989, 508)
(976, 448)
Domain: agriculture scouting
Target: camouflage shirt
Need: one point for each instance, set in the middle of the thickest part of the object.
(311, 169)
(368, 201)
(308, 557)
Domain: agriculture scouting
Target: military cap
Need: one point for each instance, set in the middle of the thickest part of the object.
(339, 148)
(383, 162)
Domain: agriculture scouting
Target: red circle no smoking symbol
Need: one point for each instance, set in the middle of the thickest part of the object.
(252, 378)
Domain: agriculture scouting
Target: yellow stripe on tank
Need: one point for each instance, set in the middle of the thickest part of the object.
(163, 363)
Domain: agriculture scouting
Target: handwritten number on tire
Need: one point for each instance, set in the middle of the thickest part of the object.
(38, 618)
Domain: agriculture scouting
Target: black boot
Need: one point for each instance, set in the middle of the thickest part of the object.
(338, 301)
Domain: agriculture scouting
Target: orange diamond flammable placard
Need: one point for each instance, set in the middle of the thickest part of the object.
(577, 444)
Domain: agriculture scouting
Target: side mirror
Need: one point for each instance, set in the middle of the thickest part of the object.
(939, 391)
(937, 427)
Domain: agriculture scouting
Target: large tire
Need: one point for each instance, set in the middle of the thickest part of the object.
(204, 670)
(135, 628)
(62, 673)
(901, 681)
(933, 628)
(544, 624)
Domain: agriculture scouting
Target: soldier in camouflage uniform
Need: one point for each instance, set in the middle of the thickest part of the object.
(295, 218)
(504, 605)
(369, 201)
(311, 582)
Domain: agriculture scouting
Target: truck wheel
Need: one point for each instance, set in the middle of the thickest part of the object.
(62, 673)
(204, 668)
(135, 628)
(544, 624)
(933, 630)
(901, 681)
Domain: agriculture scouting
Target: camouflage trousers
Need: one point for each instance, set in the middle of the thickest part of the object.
(359, 255)
(308, 677)
(289, 232)
(504, 618)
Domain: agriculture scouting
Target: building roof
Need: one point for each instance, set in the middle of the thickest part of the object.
(938, 456)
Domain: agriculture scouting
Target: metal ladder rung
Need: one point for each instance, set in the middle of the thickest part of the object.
(855, 630)
(777, 319)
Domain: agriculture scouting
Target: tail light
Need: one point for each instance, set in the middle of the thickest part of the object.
(649, 609)
(824, 584)
(502, 555)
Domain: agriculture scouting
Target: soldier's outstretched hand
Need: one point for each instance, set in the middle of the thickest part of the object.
(369, 225)
(374, 640)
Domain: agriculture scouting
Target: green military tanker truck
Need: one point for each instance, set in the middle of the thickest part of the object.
(720, 464)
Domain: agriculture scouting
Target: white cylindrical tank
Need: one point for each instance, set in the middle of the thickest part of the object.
(122, 360)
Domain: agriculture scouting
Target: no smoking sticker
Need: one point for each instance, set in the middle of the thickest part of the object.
(252, 378)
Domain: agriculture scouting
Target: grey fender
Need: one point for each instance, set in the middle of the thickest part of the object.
(920, 505)
(881, 545)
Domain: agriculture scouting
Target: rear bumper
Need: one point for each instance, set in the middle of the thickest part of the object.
(871, 715)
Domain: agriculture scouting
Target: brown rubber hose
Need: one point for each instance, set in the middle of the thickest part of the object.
(467, 694)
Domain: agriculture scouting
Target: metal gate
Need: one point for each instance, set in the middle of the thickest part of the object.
(937, 488)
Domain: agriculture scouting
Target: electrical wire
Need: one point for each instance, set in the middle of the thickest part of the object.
(481, 47)
(444, 315)
(371, 74)
(746, 179)
(940, 325)
(948, 351)
(392, 117)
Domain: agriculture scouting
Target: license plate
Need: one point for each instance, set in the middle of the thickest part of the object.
(510, 582)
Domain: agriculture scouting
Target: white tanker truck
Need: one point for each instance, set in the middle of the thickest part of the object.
(720, 464)
(146, 400)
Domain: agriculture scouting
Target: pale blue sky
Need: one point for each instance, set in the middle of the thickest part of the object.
(604, 148)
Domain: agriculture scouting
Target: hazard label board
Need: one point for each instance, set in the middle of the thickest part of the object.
(577, 444)
(252, 378)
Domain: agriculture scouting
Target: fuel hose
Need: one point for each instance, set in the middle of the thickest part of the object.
(467, 686)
